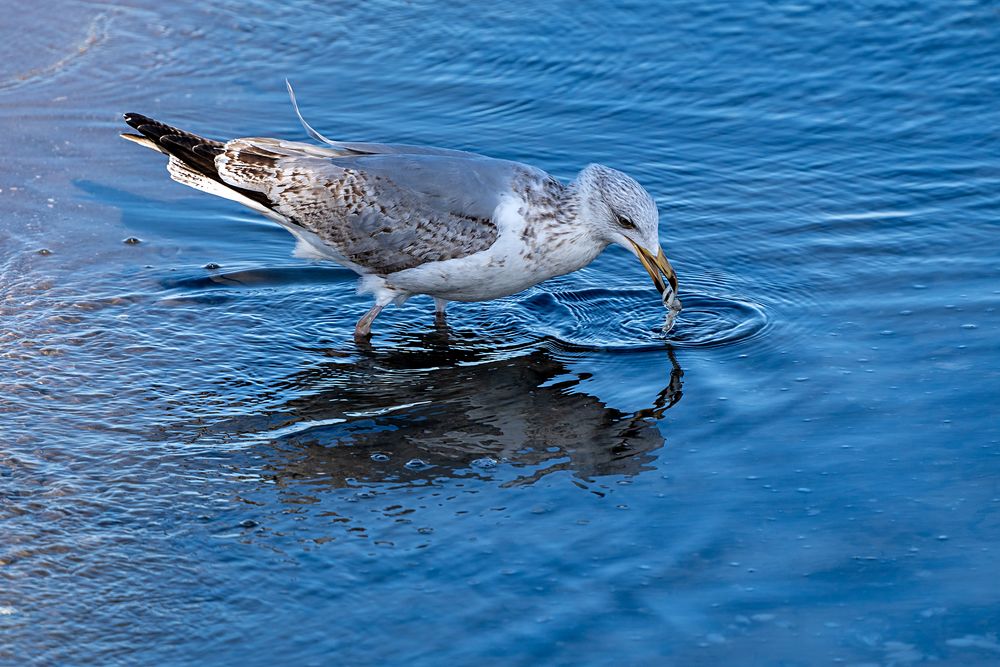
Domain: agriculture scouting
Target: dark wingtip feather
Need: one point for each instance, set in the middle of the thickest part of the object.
(196, 152)
(136, 119)
(208, 150)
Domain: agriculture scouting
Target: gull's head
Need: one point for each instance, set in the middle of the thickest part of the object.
(621, 211)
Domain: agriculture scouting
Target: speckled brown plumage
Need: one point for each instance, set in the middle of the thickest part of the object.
(368, 218)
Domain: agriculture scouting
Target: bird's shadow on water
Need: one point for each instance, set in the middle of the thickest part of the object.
(427, 408)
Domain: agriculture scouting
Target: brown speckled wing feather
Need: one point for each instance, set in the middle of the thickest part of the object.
(385, 213)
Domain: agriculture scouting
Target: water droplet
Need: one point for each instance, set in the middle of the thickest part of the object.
(380, 457)
(212, 266)
(248, 523)
(486, 462)
(44, 251)
(131, 241)
(969, 326)
(417, 464)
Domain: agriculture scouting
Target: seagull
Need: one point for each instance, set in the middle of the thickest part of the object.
(411, 220)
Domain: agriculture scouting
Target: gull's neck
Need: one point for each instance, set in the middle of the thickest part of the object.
(561, 237)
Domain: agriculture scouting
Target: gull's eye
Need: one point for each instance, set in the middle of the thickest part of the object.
(625, 222)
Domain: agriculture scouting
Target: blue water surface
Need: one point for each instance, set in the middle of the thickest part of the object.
(199, 466)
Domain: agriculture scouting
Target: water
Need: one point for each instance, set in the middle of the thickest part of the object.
(199, 466)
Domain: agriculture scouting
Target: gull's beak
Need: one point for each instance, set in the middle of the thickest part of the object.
(655, 266)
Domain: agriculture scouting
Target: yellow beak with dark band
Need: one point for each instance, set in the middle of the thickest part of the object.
(655, 266)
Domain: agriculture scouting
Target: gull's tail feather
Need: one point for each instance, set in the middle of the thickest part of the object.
(192, 160)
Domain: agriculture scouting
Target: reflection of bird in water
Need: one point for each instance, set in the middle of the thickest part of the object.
(420, 220)
(406, 416)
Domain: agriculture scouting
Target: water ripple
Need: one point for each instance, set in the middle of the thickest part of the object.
(629, 319)
(712, 321)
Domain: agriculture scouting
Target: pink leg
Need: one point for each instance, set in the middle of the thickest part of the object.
(363, 329)
(439, 306)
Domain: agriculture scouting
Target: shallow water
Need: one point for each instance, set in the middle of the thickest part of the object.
(198, 465)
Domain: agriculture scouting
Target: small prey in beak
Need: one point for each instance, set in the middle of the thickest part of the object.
(655, 266)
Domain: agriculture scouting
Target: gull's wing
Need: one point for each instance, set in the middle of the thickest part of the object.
(379, 212)
(383, 213)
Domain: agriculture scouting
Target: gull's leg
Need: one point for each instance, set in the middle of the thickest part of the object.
(363, 329)
(439, 306)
